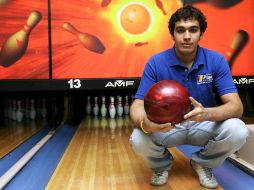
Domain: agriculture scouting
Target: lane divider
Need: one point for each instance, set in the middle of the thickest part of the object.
(8, 175)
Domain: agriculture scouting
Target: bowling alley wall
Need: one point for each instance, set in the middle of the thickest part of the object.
(98, 40)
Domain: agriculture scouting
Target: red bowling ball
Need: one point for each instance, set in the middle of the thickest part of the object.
(167, 101)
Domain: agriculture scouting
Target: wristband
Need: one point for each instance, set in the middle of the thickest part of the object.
(141, 126)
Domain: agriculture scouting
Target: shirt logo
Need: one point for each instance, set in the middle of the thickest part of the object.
(206, 78)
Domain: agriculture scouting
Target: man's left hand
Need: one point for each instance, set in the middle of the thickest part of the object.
(198, 113)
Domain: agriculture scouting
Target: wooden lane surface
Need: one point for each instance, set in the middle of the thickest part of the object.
(13, 133)
(100, 157)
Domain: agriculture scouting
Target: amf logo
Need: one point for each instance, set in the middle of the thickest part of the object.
(119, 83)
(243, 81)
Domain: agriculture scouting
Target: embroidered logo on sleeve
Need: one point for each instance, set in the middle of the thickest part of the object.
(206, 78)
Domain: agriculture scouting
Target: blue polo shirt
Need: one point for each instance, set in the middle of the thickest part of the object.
(209, 73)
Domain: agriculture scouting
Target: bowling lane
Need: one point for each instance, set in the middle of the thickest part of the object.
(100, 157)
(13, 133)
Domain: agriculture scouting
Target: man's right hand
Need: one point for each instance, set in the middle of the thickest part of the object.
(152, 127)
(137, 112)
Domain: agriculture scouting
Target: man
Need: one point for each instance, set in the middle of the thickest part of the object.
(214, 127)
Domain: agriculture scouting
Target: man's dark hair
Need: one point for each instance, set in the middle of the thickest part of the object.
(187, 13)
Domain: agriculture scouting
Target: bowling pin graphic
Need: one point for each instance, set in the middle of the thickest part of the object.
(103, 107)
(119, 107)
(19, 111)
(88, 106)
(139, 44)
(105, 3)
(126, 106)
(112, 108)
(95, 106)
(160, 6)
(15, 46)
(32, 110)
(240, 40)
(222, 4)
(89, 41)
(3, 2)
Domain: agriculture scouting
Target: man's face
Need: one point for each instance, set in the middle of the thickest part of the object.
(186, 36)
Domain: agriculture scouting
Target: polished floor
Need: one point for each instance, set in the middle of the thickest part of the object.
(97, 155)
(100, 157)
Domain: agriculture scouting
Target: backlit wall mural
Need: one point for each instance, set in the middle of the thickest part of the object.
(112, 38)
